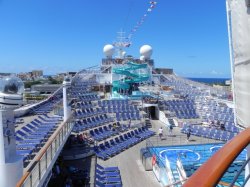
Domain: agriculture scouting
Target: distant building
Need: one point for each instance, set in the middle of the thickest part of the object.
(37, 73)
(5, 74)
(60, 76)
(33, 75)
(24, 76)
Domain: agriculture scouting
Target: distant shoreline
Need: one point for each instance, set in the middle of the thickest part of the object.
(220, 81)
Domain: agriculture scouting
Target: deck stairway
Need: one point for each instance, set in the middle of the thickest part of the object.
(176, 175)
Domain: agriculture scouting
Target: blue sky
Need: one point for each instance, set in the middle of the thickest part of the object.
(68, 35)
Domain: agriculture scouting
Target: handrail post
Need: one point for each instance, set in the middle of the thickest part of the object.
(30, 180)
(46, 159)
(239, 172)
(39, 169)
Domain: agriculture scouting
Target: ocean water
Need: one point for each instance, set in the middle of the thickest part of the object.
(210, 80)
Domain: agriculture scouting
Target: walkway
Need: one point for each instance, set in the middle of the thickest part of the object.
(131, 168)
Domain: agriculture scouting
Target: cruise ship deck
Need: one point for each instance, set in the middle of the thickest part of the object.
(124, 122)
(110, 131)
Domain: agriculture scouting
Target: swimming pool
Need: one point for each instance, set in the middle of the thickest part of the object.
(192, 157)
(185, 155)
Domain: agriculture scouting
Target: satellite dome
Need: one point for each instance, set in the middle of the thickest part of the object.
(146, 51)
(142, 58)
(11, 85)
(124, 53)
(109, 50)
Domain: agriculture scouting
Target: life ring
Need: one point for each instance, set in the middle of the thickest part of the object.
(153, 160)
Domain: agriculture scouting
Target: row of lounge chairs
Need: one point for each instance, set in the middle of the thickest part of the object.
(187, 115)
(107, 176)
(32, 136)
(103, 132)
(118, 144)
(78, 92)
(89, 97)
(92, 122)
(128, 115)
(127, 108)
(228, 126)
(83, 104)
(84, 83)
(183, 109)
(46, 106)
(208, 132)
(105, 103)
(83, 113)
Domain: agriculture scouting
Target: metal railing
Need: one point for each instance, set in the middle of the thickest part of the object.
(212, 171)
(239, 172)
(176, 140)
(170, 140)
(181, 169)
(58, 109)
(44, 162)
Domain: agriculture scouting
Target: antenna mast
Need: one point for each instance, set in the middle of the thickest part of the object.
(121, 43)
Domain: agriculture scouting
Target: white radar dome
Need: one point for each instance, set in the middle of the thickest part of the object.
(109, 50)
(124, 54)
(142, 58)
(146, 51)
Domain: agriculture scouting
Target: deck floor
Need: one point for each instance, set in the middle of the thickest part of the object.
(132, 170)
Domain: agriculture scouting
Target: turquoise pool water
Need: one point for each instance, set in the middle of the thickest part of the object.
(193, 156)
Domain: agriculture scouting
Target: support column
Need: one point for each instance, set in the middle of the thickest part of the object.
(65, 104)
(66, 84)
(11, 165)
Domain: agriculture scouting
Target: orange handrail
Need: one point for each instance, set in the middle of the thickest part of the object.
(210, 173)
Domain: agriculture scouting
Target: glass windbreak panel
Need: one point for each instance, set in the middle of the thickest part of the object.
(53, 148)
(27, 182)
(43, 164)
(57, 142)
(35, 175)
(49, 155)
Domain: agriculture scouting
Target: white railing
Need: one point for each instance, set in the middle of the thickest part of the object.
(169, 172)
(182, 173)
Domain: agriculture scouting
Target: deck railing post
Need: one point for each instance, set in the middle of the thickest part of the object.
(30, 180)
(39, 169)
(59, 137)
(51, 154)
(239, 172)
(46, 159)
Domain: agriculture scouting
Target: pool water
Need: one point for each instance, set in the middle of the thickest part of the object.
(173, 154)
(193, 156)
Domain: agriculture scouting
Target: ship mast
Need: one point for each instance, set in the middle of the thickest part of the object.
(121, 42)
